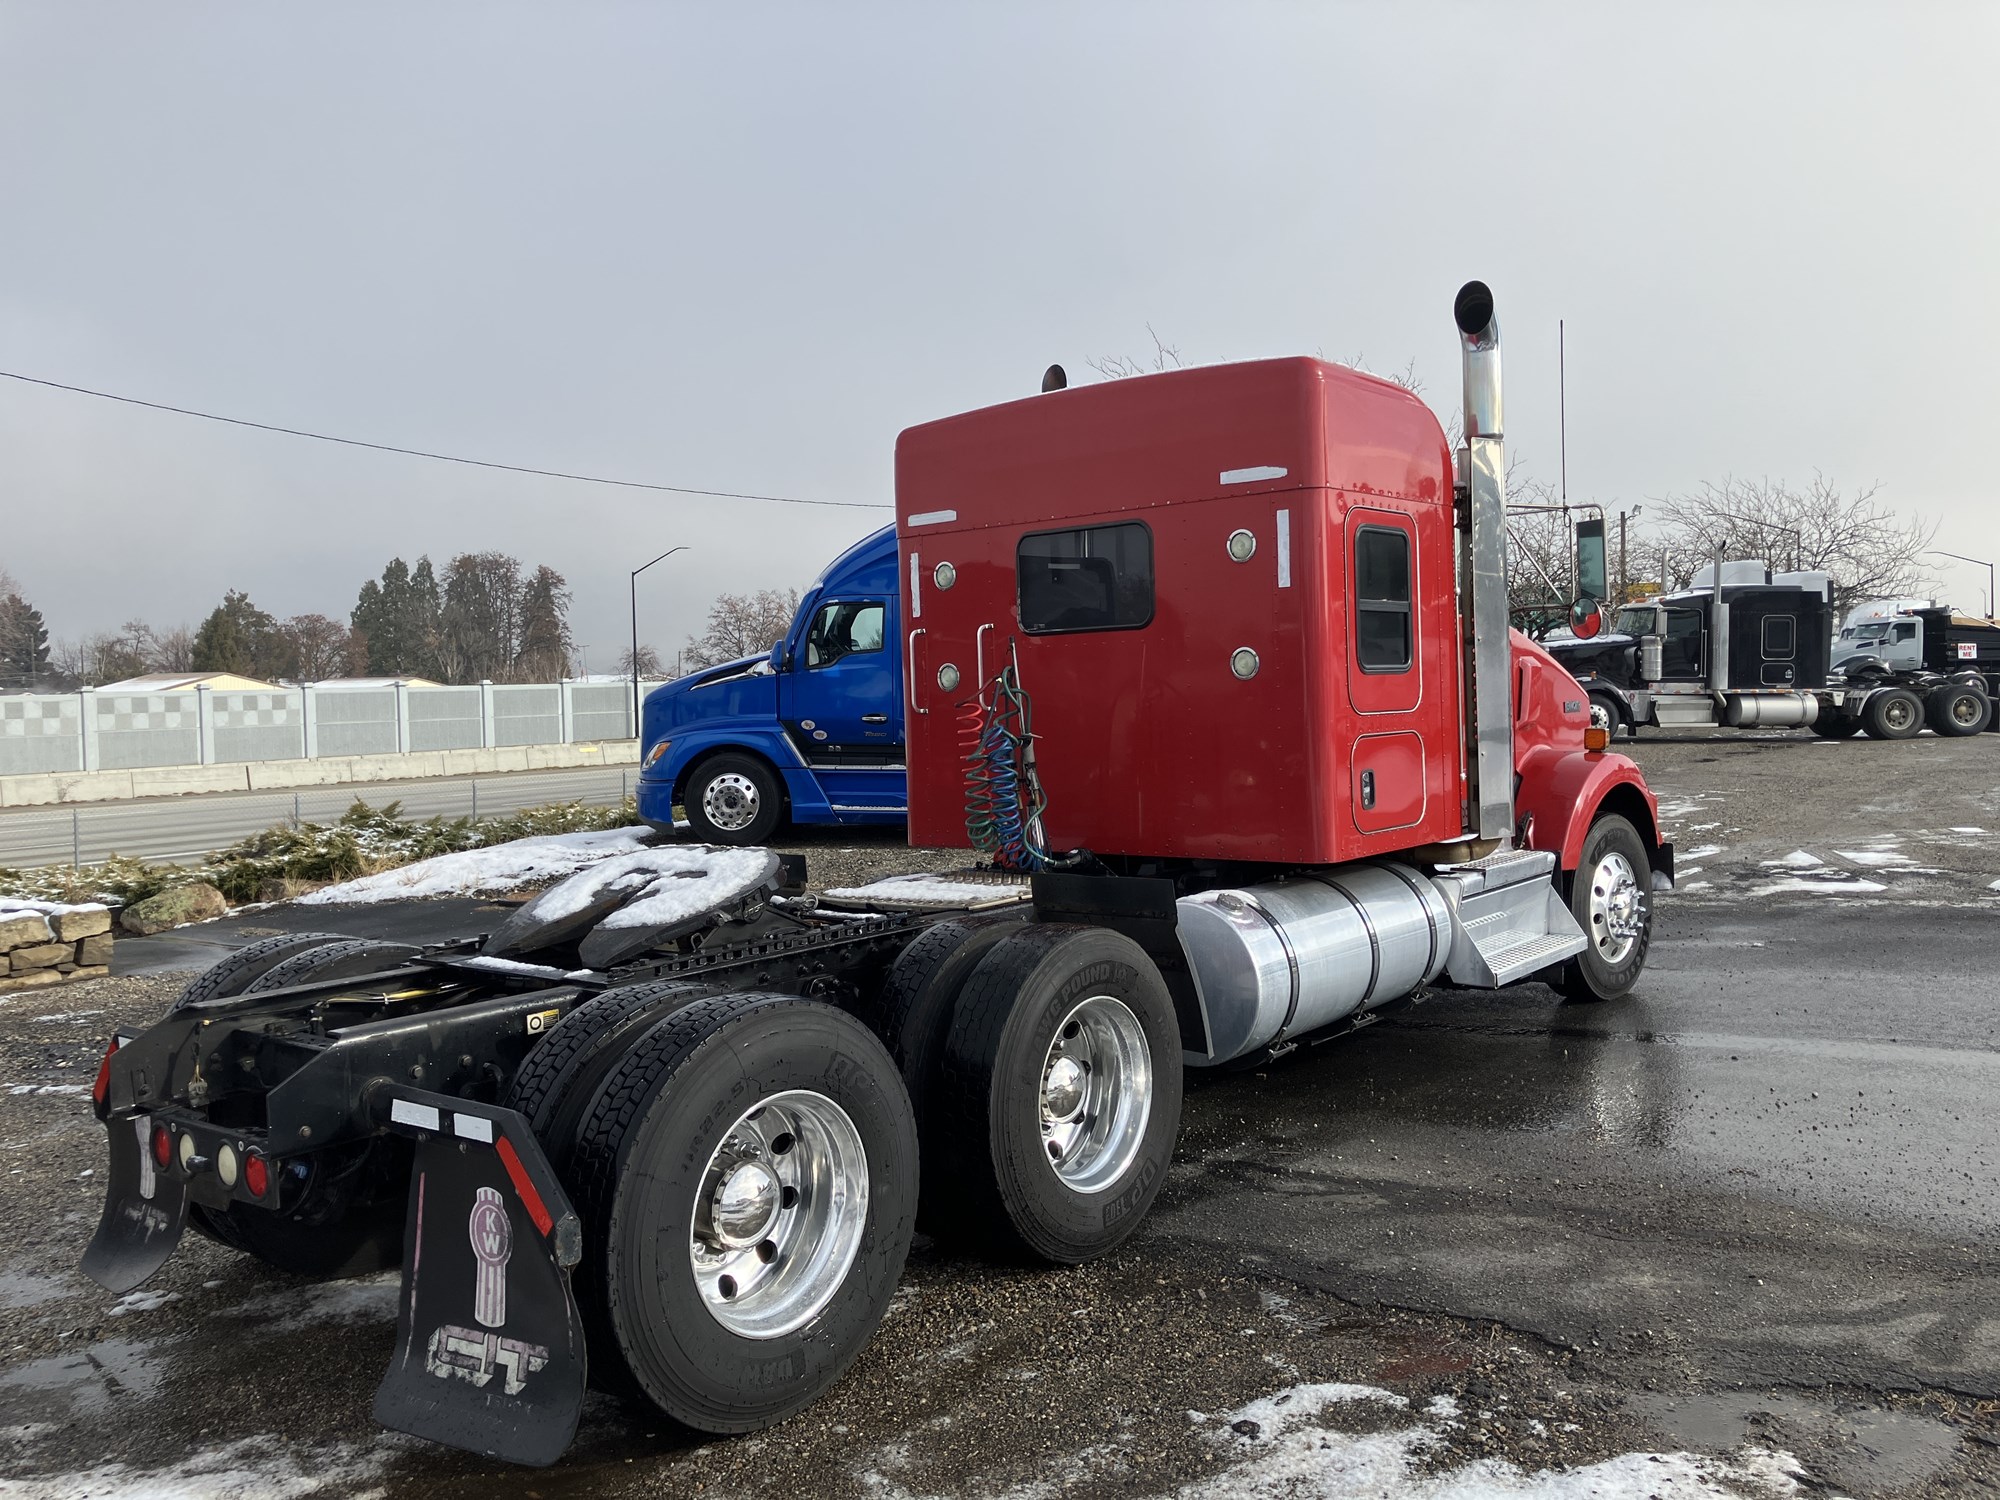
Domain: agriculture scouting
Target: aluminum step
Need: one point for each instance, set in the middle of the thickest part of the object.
(1509, 920)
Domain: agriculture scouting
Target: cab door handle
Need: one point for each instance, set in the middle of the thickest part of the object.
(874, 718)
(910, 671)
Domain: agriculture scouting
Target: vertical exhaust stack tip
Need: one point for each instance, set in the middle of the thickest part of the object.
(1479, 341)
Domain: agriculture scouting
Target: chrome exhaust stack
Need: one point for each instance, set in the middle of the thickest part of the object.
(1487, 653)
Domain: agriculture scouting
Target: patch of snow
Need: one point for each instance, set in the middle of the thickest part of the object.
(540, 971)
(1703, 851)
(71, 1015)
(18, 1089)
(1692, 885)
(688, 880)
(478, 872)
(1995, 886)
(1965, 830)
(1445, 1407)
(1798, 859)
(929, 890)
(266, 1467)
(139, 1302)
(1874, 857)
(1818, 887)
(19, 905)
(368, 1299)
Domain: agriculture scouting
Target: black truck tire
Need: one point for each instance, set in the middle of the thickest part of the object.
(349, 958)
(1893, 714)
(667, 1132)
(235, 973)
(734, 799)
(1835, 725)
(1060, 1099)
(912, 1016)
(346, 1217)
(1611, 885)
(1959, 709)
(556, 1082)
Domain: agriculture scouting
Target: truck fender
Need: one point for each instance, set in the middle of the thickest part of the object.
(1563, 791)
(773, 748)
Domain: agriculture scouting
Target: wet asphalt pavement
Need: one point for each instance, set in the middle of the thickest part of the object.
(1751, 1208)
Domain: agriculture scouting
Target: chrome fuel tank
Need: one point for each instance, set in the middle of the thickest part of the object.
(1276, 960)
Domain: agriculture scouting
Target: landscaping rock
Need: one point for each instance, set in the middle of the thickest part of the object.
(83, 922)
(196, 902)
(33, 979)
(19, 929)
(40, 956)
(94, 950)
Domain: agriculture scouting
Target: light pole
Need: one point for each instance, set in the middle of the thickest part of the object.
(1623, 576)
(1977, 562)
(635, 630)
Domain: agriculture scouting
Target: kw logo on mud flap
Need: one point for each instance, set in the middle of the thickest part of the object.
(474, 1356)
(492, 1244)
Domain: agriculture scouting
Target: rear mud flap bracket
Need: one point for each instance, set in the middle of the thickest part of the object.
(489, 1345)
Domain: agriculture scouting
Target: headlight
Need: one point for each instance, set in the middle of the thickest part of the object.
(656, 752)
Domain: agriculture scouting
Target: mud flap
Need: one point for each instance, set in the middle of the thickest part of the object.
(145, 1211)
(489, 1346)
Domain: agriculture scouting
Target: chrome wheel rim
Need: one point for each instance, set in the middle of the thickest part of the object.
(1617, 909)
(779, 1214)
(1600, 716)
(731, 801)
(1096, 1094)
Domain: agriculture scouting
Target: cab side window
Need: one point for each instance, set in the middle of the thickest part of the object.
(848, 627)
(1382, 598)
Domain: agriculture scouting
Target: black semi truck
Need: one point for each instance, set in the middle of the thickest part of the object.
(1751, 649)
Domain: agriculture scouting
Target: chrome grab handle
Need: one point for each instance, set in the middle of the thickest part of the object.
(979, 657)
(874, 718)
(910, 670)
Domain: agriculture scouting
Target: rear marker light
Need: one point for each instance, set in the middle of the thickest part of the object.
(190, 1154)
(100, 1091)
(256, 1176)
(163, 1146)
(226, 1164)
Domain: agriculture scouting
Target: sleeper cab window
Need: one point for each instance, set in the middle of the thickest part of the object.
(1778, 637)
(1382, 598)
(1086, 578)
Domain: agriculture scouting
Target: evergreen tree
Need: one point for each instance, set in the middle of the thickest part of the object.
(239, 637)
(545, 637)
(24, 643)
(398, 617)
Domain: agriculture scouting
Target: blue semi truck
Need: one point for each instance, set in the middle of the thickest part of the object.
(811, 732)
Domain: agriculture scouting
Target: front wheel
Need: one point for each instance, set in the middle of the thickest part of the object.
(1610, 895)
(734, 799)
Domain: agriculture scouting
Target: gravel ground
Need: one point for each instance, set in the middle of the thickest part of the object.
(1168, 1368)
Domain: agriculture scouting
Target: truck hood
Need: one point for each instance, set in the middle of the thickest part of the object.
(745, 688)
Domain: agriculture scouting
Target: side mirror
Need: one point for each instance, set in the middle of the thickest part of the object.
(1586, 618)
(780, 659)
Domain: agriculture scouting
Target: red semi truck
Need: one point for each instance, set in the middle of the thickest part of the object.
(1212, 665)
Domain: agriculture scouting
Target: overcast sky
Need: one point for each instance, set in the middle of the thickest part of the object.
(740, 247)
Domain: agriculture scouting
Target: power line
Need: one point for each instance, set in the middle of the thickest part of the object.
(448, 458)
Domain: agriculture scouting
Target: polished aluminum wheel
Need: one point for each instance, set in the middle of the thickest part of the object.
(779, 1215)
(731, 802)
(1617, 909)
(1097, 1094)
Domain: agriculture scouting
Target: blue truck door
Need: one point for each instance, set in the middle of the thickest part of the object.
(842, 700)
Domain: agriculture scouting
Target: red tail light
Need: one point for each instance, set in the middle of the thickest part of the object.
(100, 1091)
(163, 1146)
(256, 1176)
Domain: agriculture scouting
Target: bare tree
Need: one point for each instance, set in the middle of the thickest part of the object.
(648, 659)
(1118, 366)
(741, 625)
(322, 648)
(1869, 550)
(170, 650)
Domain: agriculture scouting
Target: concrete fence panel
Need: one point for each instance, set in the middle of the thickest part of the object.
(600, 711)
(527, 714)
(258, 726)
(133, 730)
(446, 718)
(40, 733)
(360, 721)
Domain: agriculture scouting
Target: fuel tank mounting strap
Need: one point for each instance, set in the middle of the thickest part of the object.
(1291, 962)
(1416, 883)
(1367, 926)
